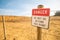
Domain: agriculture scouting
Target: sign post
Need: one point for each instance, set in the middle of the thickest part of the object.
(40, 18)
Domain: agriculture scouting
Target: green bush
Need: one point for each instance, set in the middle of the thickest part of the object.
(57, 13)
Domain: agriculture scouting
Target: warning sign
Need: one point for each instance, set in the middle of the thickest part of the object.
(40, 17)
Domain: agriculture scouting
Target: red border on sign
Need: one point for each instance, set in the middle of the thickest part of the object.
(41, 12)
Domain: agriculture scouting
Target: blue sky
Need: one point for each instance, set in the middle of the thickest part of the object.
(24, 7)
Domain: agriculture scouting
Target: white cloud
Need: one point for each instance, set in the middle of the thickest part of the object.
(53, 4)
(11, 12)
(7, 11)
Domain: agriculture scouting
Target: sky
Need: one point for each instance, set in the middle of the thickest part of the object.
(24, 7)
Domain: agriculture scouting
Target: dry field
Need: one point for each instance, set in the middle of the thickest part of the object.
(20, 28)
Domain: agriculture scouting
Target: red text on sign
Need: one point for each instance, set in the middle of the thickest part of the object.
(41, 12)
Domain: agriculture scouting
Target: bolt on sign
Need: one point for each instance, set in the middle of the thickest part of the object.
(40, 17)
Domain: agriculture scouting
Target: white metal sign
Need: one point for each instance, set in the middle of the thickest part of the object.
(40, 17)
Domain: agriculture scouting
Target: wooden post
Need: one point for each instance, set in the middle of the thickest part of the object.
(4, 27)
(39, 29)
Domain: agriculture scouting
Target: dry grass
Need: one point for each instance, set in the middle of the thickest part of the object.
(20, 28)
